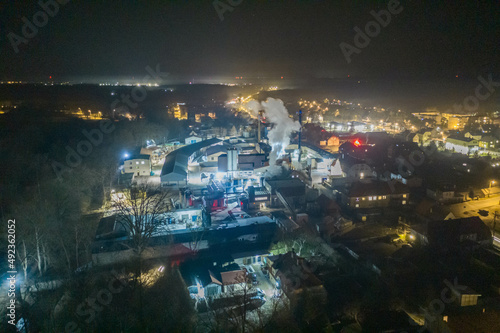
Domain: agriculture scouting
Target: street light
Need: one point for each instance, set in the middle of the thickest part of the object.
(491, 183)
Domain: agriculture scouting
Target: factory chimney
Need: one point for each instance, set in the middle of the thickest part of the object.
(261, 112)
(300, 134)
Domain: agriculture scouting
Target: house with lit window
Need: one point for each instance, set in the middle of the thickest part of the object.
(139, 165)
(461, 144)
(489, 142)
(330, 141)
(375, 194)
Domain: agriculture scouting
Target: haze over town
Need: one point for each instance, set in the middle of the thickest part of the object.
(249, 166)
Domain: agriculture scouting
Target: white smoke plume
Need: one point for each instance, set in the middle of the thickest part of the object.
(253, 107)
(283, 125)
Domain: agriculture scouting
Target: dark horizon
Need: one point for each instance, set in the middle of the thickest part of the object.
(87, 42)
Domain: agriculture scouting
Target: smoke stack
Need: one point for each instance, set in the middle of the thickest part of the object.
(258, 125)
(300, 134)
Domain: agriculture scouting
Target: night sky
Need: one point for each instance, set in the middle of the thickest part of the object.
(86, 40)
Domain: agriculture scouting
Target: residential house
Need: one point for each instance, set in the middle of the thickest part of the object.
(375, 194)
(461, 144)
(210, 281)
(476, 135)
(489, 142)
(293, 275)
(453, 233)
(423, 137)
(405, 177)
(428, 210)
(139, 165)
(356, 169)
(330, 142)
(443, 193)
(402, 149)
(463, 320)
(193, 139)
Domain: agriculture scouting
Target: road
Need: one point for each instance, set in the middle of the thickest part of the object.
(472, 208)
(465, 209)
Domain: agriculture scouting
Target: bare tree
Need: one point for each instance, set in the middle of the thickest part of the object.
(141, 211)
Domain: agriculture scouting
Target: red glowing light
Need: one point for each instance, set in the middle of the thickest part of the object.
(357, 143)
(50, 77)
(282, 77)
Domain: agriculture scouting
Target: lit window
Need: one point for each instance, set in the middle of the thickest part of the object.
(380, 198)
(142, 162)
(363, 198)
(404, 202)
(404, 195)
(136, 162)
(370, 198)
(384, 197)
(357, 205)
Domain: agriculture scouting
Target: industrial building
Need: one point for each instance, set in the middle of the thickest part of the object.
(175, 168)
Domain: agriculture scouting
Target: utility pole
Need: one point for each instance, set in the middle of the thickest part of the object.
(495, 223)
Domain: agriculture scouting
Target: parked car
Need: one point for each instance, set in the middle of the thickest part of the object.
(254, 279)
(257, 301)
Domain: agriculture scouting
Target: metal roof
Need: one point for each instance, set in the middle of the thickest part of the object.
(176, 163)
